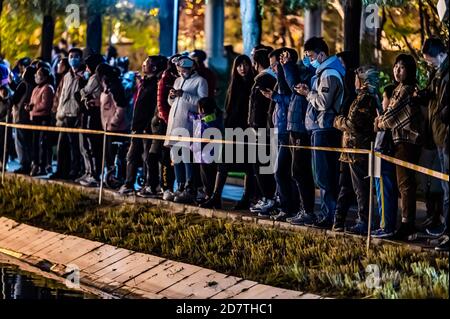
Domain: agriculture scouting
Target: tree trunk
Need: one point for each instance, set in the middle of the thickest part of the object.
(251, 24)
(94, 30)
(352, 28)
(166, 23)
(48, 31)
(313, 23)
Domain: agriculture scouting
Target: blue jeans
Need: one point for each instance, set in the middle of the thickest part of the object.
(326, 170)
(443, 158)
(387, 197)
(183, 170)
(289, 200)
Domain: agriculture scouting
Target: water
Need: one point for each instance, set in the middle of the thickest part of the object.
(18, 284)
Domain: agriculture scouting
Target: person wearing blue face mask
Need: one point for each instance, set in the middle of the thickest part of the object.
(324, 104)
(68, 113)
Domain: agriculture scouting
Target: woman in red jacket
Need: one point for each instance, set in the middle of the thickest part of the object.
(40, 110)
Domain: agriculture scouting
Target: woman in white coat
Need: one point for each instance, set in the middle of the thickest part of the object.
(188, 89)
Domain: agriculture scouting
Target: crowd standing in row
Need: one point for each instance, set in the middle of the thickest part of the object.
(321, 100)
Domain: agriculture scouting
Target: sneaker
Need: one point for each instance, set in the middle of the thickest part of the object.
(201, 196)
(338, 226)
(89, 181)
(358, 229)
(443, 246)
(322, 222)
(281, 216)
(168, 195)
(382, 233)
(185, 197)
(257, 207)
(404, 232)
(436, 231)
(264, 207)
(125, 190)
(79, 179)
(147, 192)
(302, 218)
(37, 171)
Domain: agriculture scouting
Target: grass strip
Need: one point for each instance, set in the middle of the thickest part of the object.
(305, 261)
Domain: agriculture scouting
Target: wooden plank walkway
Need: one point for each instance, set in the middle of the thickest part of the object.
(123, 273)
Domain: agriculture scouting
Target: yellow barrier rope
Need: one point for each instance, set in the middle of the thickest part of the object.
(420, 169)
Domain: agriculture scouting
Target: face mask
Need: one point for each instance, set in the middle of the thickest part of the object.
(185, 75)
(315, 64)
(75, 62)
(306, 61)
(87, 75)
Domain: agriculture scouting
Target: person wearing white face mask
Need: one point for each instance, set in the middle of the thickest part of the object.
(187, 90)
(40, 107)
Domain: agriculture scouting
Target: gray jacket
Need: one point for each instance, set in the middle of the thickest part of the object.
(325, 98)
(69, 104)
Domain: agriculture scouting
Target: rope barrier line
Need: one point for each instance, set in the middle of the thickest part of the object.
(420, 169)
(414, 167)
(174, 138)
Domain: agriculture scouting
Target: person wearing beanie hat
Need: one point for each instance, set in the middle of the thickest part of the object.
(357, 128)
(187, 90)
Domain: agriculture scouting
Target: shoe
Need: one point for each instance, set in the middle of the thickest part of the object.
(79, 179)
(404, 232)
(147, 192)
(302, 218)
(185, 197)
(125, 190)
(168, 195)
(339, 225)
(49, 169)
(89, 181)
(213, 202)
(281, 216)
(37, 171)
(201, 196)
(382, 233)
(267, 213)
(443, 246)
(437, 230)
(322, 222)
(358, 229)
(263, 206)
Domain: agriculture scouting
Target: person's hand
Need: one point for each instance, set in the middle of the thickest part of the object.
(376, 124)
(267, 93)
(28, 107)
(172, 93)
(285, 57)
(178, 93)
(302, 89)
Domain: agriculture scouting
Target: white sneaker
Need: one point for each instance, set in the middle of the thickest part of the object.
(263, 207)
(257, 207)
(168, 195)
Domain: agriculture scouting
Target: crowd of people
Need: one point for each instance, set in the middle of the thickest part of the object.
(320, 100)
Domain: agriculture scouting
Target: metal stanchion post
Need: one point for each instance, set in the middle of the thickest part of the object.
(371, 175)
(102, 173)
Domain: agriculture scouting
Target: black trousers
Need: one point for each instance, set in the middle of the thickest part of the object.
(346, 195)
(302, 170)
(40, 145)
(138, 154)
(91, 144)
(69, 146)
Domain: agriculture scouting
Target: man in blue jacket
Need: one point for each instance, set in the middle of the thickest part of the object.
(324, 103)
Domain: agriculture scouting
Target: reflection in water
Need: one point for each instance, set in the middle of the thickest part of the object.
(17, 284)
